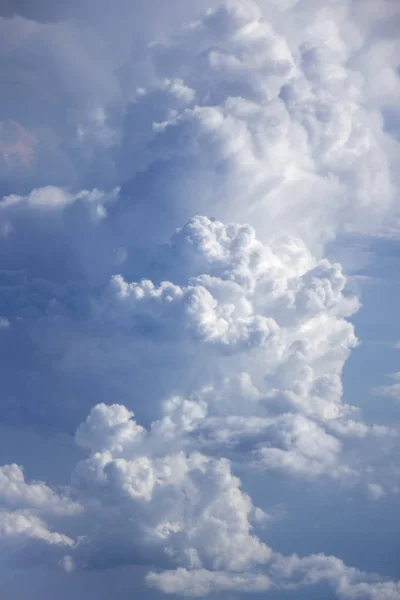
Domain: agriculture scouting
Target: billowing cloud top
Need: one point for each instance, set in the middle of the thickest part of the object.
(174, 318)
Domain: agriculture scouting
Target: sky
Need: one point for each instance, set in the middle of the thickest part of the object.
(199, 291)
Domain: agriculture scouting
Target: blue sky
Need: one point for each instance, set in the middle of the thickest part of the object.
(199, 246)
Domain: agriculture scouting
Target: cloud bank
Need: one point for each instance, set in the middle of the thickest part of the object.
(172, 208)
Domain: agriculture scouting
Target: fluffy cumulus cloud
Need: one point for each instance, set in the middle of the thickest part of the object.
(188, 504)
(172, 303)
(251, 302)
(142, 499)
(277, 122)
(24, 532)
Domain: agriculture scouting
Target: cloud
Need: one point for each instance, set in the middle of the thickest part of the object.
(15, 525)
(143, 501)
(190, 505)
(390, 391)
(346, 581)
(169, 229)
(28, 513)
(276, 124)
(301, 447)
(16, 493)
(285, 118)
(241, 295)
(291, 119)
(201, 582)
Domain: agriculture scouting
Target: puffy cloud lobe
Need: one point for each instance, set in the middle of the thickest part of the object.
(187, 509)
(190, 504)
(205, 319)
(278, 301)
(277, 125)
(25, 509)
(214, 507)
(108, 428)
(300, 447)
(143, 498)
(289, 443)
(284, 102)
(16, 525)
(317, 68)
(16, 493)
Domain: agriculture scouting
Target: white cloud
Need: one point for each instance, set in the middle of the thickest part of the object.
(142, 497)
(347, 582)
(16, 525)
(302, 448)
(25, 510)
(280, 124)
(199, 582)
(275, 307)
(189, 504)
(108, 428)
(227, 340)
(16, 493)
(53, 198)
(390, 391)
(186, 509)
